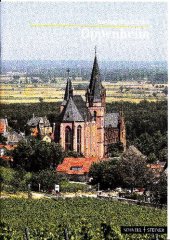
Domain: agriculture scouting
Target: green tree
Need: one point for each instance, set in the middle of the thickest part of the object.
(7, 175)
(133, 170)
(46, 155)
(3, 139)
(115, 149)
(46, 178)
(145, 143)
(105, 173)
(163, 154)
(34, 155)
(152, 158)
(22, 154)
(21, 180)
(159, 190)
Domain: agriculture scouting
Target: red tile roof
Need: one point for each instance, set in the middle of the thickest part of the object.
(2, 127)
(7, 158)
(155, 166)
(82, 163)
(8, 147)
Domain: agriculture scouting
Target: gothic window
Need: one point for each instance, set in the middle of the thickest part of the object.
(79, 139)
(95, 115)
(68, 139)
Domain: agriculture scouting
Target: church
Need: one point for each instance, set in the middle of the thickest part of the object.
(83, 125)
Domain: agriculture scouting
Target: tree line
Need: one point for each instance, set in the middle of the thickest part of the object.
(146, 122)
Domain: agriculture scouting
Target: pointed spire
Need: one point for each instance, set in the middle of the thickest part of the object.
(69, 88)
(95, 87)
(95, 75)
(95, 50)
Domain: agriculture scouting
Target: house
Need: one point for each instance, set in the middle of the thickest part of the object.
(76, 168)
(157, 168)
(13, 137)
(39, 126)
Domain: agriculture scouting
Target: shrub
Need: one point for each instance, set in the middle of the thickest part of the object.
(66, 186)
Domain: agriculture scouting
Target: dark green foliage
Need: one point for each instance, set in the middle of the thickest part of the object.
(148, 118)
(15, 180)
(133, 171)
(146, 126)
(46, 178)
(105, 173)
(18, 114)
(115, 149)
(81, 218)
(130, 171)
(2, 139)
(34, 155)
(159, 190)
(154, 145)
(73, 187)
(4, 163)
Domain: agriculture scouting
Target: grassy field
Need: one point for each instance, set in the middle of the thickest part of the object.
(84, 218)
(133, 92)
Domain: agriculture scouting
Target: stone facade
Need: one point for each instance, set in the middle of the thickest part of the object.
(84, 126)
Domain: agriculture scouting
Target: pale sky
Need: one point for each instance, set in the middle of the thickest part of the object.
(20, 41)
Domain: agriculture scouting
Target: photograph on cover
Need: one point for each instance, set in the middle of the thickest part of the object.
(83, 120)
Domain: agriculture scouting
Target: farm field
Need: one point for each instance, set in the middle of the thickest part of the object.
(32, 93)
(84, 218)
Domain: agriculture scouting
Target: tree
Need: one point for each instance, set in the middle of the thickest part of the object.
(46, 155)
(41, 99)
(163, 155)
(159, 190)
(105, 173)
(21, 180)
(145, 144)
(115, 149)
(34, 155)
(3, 139)
(133, 170)
(14, 180)
(46, 178)
(152, 158)
(21, 155)
(121, 89)
(7, 175)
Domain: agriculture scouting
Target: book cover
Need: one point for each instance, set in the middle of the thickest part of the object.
(83, 120)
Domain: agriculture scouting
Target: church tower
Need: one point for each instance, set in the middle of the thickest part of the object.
(95, 101)
(68, 92)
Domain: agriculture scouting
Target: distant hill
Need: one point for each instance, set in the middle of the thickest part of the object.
(26, 65)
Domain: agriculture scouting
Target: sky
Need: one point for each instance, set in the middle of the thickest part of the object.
(21, 41)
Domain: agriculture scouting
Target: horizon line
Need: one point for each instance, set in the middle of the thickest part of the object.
(83, 60)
